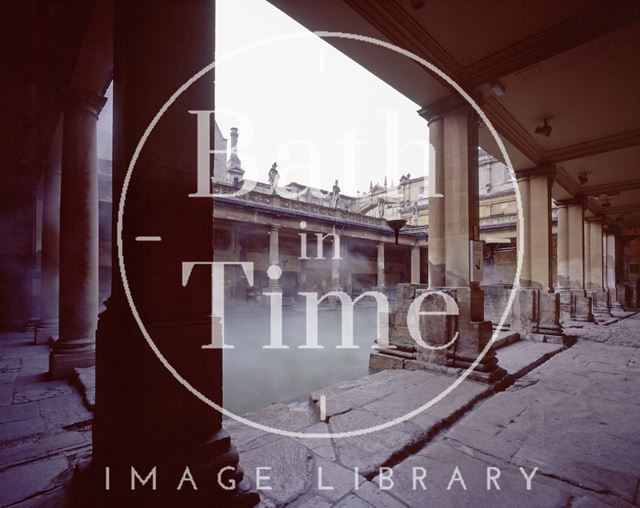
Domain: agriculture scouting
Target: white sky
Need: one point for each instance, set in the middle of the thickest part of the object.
(308, 107)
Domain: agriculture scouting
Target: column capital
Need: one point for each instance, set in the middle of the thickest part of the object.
(594, 220)
(577, 200)
(79, 99)
(443, 107)
(545, 170)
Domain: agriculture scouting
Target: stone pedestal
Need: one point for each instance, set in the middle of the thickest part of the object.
(600, 307)
(78, 298)
(536, 315)
(575, 306)
(467, 338)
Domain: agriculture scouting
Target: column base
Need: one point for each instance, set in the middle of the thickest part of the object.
(63, 362)
(583, 309)
(474, 336)
(536, 316)
(435, 330)
(575, 306)
(600, 305)
(45, 331)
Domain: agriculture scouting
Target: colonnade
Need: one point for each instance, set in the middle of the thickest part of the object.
(586, 264)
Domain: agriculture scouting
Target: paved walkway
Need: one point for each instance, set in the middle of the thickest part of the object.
(45, 429)
(574, 417)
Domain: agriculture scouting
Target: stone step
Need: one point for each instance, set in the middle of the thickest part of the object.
(85, 380)
(505, 338)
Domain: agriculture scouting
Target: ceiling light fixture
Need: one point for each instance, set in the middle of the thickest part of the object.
(583, 178)
(497, 88)
(544, 129)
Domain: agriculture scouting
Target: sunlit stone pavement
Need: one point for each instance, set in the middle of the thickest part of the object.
(574, 416)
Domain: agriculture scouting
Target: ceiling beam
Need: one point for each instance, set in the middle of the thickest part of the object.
(619, 210)
(572, 32)
(611, 188)
(594, 147)
(508, 127)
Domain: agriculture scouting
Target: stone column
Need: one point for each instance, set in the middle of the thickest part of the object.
(335, 268)
(574, 302)
(462, 225)
(563, 245)
(436, 251)
(144, 417)
(48, 326)
(274, 253)
(596, 281)
(610, 263)
(523, 229)
(576, 246)
(381, 265)
(536, 312)
(454, 143)
(587, 256)
(453, 224)
(78, 298)
(415, 264)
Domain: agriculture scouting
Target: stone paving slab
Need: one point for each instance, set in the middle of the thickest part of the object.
(22, 482)
(521, 356)
(44, 425)
(352, 405)
(439, 462)
(343, 397)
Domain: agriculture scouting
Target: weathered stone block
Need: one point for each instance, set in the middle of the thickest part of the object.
(380, 361)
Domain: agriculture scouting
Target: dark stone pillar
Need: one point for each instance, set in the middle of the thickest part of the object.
(48, 325)
(78, 299)
(143, 416)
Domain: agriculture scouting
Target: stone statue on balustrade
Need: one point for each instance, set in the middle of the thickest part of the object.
(335, 195)
(274, 176)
